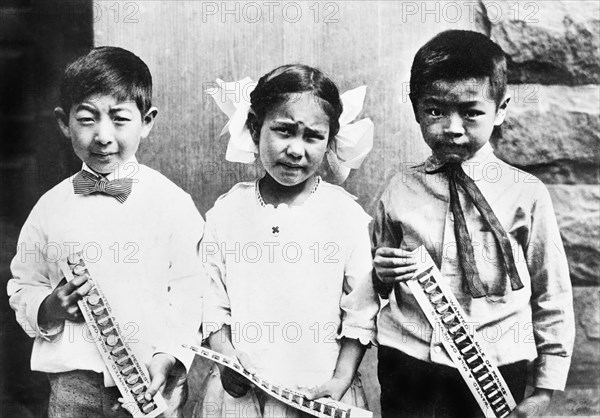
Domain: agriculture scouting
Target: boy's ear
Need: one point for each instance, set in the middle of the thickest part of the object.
(501, 112)
(148, 121)
(63, 121)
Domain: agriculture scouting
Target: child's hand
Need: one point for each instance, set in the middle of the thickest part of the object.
(534, 405)
(234, 383)
(161, 367)
(61, 304)
(334, 388)
(394, 264)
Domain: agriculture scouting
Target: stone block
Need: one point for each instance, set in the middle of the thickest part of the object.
(586, 353)
(577, 211)
(553, 132)
(548, 42)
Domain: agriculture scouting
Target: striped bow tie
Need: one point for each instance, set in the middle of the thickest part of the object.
(87, 183)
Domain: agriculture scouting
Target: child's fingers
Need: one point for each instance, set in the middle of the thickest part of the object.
(395, 252)
(386, 272)
(159, 370)
(317, 392)
(158, 380)
(399, 271)
(379, 261)
(129, 407)
(398, 274)
(405, 277)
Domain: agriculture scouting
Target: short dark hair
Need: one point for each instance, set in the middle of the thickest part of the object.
(455, 55)
(283, 82)
(107, 70)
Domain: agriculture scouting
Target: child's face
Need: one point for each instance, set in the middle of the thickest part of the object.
(293, 139)
(457, 117)
(105, 133)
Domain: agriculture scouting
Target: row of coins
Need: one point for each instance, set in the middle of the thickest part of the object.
(110, 335)
(464, 343)
(293, 397)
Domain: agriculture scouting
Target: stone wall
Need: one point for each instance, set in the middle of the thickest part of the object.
(552, 131)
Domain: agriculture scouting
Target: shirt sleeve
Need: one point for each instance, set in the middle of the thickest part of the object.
(186, 283)
(385, 234)
(552, 299)
(217, 307)
(359, 303)
(30, 283)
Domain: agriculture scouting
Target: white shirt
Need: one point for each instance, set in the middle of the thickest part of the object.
(143, 253)
(290, 281)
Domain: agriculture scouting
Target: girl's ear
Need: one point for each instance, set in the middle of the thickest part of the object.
(63, 121)
(253, 126)
(148, 121)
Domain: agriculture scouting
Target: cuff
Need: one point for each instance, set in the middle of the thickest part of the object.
(183, 355)
(366, 336)
(551, 371)
(31, 311)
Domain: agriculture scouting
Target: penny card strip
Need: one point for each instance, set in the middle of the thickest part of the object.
(130, 376)
(445, 314)
(322, 408)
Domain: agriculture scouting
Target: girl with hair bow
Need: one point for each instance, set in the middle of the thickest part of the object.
(289, 255)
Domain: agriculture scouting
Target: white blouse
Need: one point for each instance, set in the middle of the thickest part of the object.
(290, 281)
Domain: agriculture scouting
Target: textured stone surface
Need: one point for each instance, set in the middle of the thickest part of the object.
(553, 132)
(578, 213)
(548, 42)
(586, 353)
(575, 401)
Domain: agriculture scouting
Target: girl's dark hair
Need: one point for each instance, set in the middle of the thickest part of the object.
(107, 70)
(283, 83)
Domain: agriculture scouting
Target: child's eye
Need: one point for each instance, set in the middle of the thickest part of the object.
(434, 112)
(283, 131)
(473, 113)
(316, 137)
(85, 120)
(122, 119)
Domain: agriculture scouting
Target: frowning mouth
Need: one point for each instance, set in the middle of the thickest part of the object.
(103, 154)
(291, 165)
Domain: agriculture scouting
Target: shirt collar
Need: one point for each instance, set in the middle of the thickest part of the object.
(129, 169)
(475, 166)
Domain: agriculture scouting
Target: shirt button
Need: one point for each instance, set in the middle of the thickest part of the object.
(437, 349)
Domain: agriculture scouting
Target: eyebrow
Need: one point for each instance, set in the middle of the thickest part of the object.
(434, 101)
(119, 108)
(290, 122)
(92, 109)
(86, 106)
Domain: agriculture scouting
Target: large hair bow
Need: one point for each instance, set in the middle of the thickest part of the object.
(352, 143)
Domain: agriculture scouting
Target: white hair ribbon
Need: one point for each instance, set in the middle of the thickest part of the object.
(234, 100)
(352, 143)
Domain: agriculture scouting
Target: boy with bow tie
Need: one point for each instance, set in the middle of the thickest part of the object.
(491, 231)
(138, 230)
